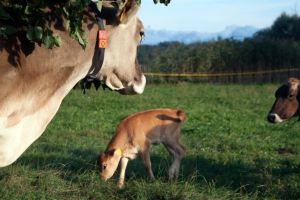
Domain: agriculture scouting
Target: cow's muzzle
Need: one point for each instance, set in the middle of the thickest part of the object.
(274, 118)
(137, 87)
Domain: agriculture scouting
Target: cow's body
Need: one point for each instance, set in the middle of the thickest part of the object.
(136, 133)
(34, 82)
(287, 102)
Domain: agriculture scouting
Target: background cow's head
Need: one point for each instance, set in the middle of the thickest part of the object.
(286, 104)
(120, 70)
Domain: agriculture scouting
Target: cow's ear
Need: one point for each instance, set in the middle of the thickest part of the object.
(119, 11)
(298, 90)
(127, 10)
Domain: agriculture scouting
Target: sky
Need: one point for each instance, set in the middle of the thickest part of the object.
(209, 16)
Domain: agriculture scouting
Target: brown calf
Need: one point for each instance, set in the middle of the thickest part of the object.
(135, 134)
(286, 104)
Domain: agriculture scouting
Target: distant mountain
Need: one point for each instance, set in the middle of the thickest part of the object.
(235, 32)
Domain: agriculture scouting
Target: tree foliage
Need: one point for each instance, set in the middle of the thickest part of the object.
(34, 17)
(166, 2)
(285, 27)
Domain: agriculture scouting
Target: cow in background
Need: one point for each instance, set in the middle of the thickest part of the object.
(286, 104)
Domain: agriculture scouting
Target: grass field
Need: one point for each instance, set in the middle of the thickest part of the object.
(231, 151)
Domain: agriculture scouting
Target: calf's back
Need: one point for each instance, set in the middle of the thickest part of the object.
(154, 125)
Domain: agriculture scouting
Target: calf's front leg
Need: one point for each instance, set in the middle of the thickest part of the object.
(146, 159)
(124, 162)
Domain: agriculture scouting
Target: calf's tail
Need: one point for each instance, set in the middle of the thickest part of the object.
(181, 116)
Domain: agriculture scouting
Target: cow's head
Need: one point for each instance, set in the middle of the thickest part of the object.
(120, 70)
(286, 104)
(108, 163)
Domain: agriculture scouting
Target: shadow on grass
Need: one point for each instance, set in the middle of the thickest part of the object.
(236, 176)
(54, 157)
(242, 178)
(283, 182)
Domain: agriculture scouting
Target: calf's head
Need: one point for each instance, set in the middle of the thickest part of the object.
(286, 104)
(108, 163)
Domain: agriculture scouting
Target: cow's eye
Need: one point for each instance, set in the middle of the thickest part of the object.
(291, 96)
(104, 166)
(142, 34)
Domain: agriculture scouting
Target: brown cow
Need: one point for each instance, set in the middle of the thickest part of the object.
(286, 104)
(34, 80)
(136, 133)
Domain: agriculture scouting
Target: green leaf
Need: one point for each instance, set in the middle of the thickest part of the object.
(99, 5)
(138, 2)
(74, 2)
(27, 10)
(7, 30)
(66, 11)
(38, 33)
(80, 39)
(34, 33)
(48, 41)
(67, 24)
(166, 2)
(30, 33)
(57, 41)
(3, 14)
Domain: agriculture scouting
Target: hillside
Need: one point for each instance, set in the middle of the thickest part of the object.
(234, 32)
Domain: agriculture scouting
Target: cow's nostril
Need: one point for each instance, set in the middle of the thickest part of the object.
(271, 117)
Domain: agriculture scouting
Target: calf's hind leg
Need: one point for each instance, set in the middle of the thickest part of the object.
(176, 150)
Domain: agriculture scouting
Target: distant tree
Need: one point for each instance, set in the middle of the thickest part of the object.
(285, 27)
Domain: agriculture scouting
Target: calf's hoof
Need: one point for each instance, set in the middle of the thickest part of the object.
(152, 177)
(171, 174)
(120, 184)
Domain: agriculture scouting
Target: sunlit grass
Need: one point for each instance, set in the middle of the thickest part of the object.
(231, 151)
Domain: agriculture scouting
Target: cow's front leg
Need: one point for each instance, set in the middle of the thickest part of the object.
(124, 162)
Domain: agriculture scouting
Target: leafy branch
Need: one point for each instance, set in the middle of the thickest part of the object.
(34, 17)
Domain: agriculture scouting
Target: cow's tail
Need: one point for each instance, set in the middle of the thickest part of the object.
(180, 114)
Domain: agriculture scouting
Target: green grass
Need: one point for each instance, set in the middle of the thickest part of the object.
(231, 151)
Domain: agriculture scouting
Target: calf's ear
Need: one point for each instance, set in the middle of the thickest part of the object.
(118, 152)
(114, 152)
(99, 159)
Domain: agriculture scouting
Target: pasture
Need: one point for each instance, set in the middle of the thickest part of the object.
(231, 150)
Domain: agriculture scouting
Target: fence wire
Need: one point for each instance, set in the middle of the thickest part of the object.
(262, 76)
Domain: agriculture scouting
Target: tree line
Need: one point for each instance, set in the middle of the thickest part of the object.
(274, 48)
